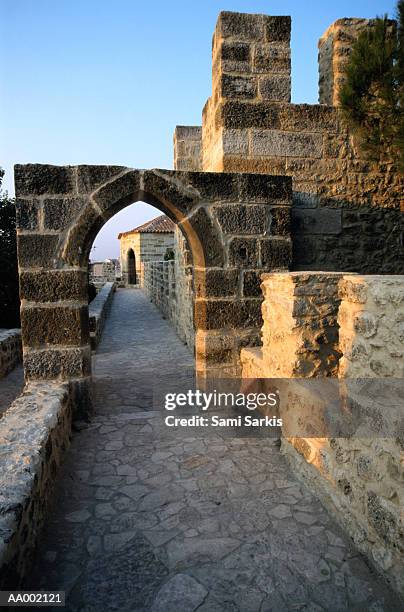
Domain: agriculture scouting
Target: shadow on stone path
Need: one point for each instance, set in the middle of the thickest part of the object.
(144, 521)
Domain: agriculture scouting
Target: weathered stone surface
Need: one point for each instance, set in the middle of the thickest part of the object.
(37, 250)
(252, 284)
(63, 325)
(10, 350)
(260, 188)
(270, 58)
(277, 29)
(238, 87)
(53, 285)
(216, 314)
(216, 283)
(90, 178)
(27, 213)
(54, 363)
(280, 221)
(34, 434)
(242, 26)
(241, 115)
(275, 87)
(180, 592)
(59, 213)
(124, 190)
(213, 186)
(38, 179)
(210, 243)
(275, 253)
(162, 189)
(308, 117)
(243, 252)
(287, 144)
(243, 219)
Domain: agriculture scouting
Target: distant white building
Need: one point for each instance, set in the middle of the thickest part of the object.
(148, 242)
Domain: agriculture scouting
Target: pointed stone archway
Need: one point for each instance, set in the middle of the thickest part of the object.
(237, 227)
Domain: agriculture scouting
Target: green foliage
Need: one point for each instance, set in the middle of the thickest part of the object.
(372, 95)
(9, 293)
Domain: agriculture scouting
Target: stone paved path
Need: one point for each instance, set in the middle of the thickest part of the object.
(144, 521)
(11, 386)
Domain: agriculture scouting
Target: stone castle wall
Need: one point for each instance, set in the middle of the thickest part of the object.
(346, 209)
(351, 328)
(10, 350)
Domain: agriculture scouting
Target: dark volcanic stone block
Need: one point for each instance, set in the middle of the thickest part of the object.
(243, 252)
(276, 253)
(239, 219)
(63, 325)
(80, 238)
(277, 29)
(27, 213)
(242, 26)
(53, 286)
(262, 188)
(216, 283)
(222, 314)
(238, 51)
(59, 213)
(280, 221)
(55, 363)
(36, 250)
(239, 115)
(91, 177)
(238, 86)
(252, 284)
(213, 186)
(38, 179)
(125, 190)
(209, 240)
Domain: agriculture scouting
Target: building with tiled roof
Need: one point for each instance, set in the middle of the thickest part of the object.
(147, 242)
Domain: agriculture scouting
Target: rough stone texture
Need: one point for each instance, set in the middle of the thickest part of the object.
(52, 264)
(145, 520)
(251, 127)
(174, 302)
(10, 350)
(187, 147)
(300, 332)
(98, 311)
(350, 326)
(34, 435)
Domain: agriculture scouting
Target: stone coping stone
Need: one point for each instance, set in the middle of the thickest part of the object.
(97, 305)
(34, 433)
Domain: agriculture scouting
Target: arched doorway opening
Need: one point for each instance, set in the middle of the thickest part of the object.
(224, 217)
(131, 264)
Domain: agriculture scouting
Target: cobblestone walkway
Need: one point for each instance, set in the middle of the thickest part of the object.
(11, 386)
(144, 521)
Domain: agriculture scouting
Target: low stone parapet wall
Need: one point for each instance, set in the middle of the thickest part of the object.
(350, 328)
(168, 284)
(10, 350)
(98, 311)
(34, 433)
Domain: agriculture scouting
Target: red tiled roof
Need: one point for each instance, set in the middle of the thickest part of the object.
(159, 225)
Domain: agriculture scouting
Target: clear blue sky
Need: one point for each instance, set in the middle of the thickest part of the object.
(106, 81)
